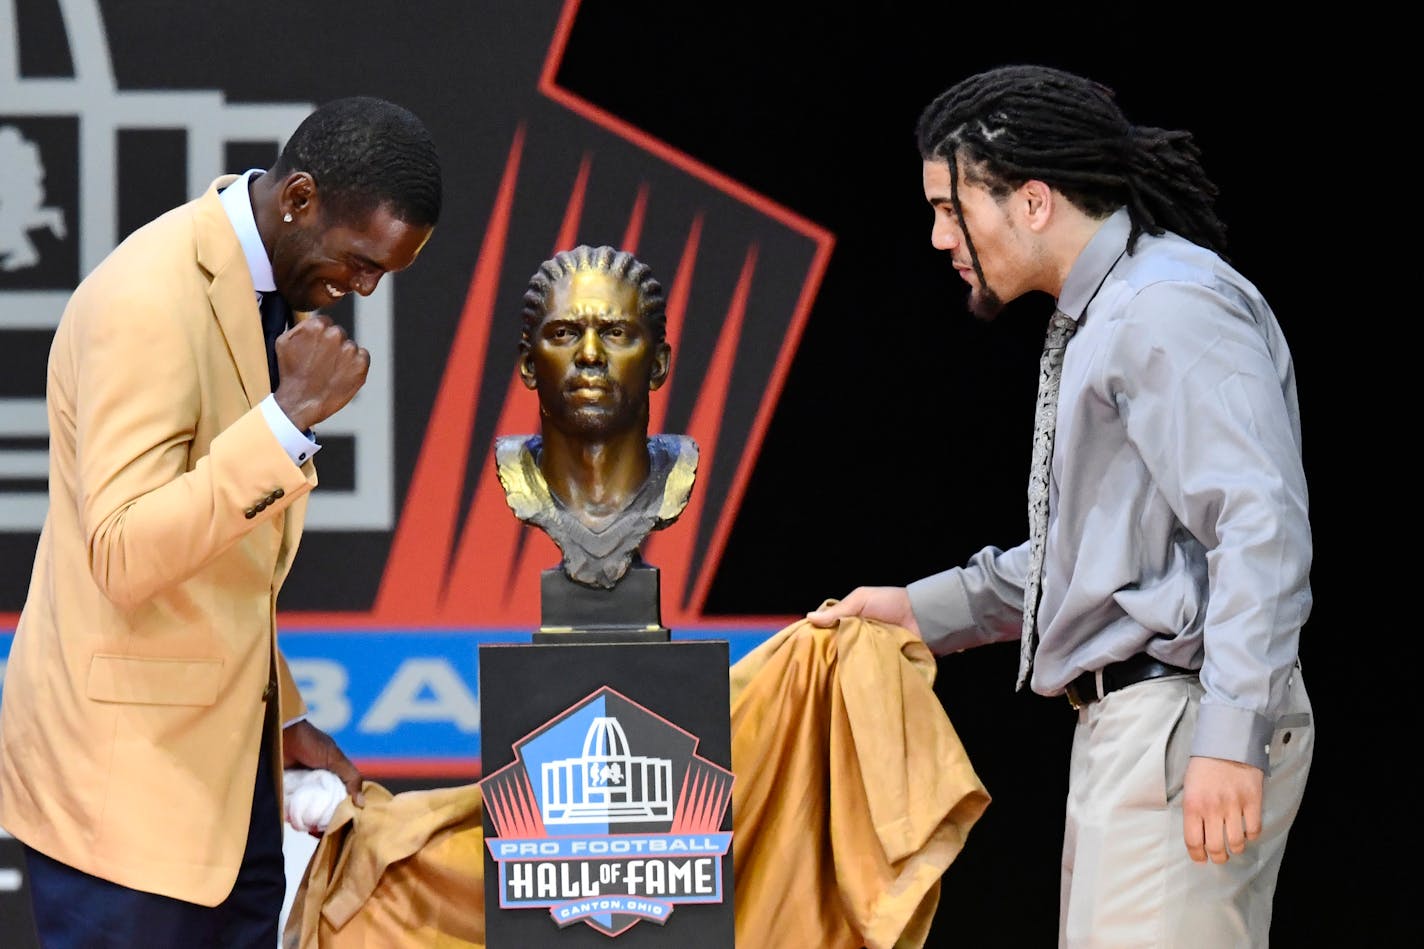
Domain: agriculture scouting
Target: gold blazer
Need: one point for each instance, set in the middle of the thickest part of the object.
(134, 695)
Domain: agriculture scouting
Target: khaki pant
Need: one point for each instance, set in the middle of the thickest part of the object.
(1127, 880)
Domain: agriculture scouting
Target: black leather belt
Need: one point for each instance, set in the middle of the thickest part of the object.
(1119, 675)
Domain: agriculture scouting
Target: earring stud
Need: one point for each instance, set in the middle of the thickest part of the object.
(287, 217)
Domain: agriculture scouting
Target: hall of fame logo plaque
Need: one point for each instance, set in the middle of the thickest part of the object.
(607, 816)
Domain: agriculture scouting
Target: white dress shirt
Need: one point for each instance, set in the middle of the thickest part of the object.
(237, 202)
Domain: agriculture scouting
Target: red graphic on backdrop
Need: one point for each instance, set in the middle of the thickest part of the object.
(483, 568)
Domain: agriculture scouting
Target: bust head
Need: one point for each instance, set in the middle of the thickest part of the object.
(594, 343)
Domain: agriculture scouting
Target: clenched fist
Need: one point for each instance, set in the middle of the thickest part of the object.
(321, 369)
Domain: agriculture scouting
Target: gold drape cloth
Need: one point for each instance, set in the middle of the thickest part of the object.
(405, 870)
(852, 797)
(853, 794)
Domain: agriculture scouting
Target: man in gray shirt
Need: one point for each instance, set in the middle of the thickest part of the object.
(1175, 547)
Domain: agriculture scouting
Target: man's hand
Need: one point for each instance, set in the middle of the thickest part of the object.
(886, 604)
(1221, 807)
(306, 746)
(321, 370)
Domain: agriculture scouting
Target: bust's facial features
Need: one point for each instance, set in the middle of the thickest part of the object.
(592, 358)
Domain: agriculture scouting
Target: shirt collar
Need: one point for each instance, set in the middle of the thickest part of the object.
(1092, 266)
(237, 202)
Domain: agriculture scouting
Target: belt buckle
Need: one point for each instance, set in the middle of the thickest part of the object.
(1072, 693)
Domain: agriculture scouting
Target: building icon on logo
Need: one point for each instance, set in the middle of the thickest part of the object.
(607, 782)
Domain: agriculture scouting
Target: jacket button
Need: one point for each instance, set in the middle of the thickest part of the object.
(260, 506)
(278, 493)
(250, 513)
(270, 691)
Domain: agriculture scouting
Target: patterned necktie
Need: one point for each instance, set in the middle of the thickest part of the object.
(1050, 369)
(276, 316)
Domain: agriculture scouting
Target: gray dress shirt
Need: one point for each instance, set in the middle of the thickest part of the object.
(1178, 521)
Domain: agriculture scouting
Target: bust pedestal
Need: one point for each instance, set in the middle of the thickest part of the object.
(606, 753)
(630, 612)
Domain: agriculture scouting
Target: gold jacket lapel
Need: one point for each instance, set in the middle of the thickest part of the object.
(233, 298)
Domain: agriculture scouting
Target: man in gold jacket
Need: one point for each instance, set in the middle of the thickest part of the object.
(147, 710)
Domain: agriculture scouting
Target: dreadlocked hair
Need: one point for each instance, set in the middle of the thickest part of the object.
(1008, 125)
(618, 264)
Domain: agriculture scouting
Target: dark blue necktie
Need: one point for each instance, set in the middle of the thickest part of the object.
(276, 317)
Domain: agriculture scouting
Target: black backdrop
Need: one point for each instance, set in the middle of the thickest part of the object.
(900, 444)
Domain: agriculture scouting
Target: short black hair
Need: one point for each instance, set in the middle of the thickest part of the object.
(1011, 124)
(364, 153)
(618, 264)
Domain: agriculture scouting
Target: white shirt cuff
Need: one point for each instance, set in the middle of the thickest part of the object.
(298, 446)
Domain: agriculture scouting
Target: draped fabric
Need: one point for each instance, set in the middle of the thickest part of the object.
(852, 797)
(853, 794)
(405, 870)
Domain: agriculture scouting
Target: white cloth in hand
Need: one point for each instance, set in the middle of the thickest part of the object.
(310, 798)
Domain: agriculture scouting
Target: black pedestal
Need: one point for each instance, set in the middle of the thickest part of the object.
(628, 613)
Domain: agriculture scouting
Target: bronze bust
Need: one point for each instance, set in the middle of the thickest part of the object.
(593, 347)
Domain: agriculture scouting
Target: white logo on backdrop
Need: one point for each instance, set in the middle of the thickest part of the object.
(22, 201)
(209, 123)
